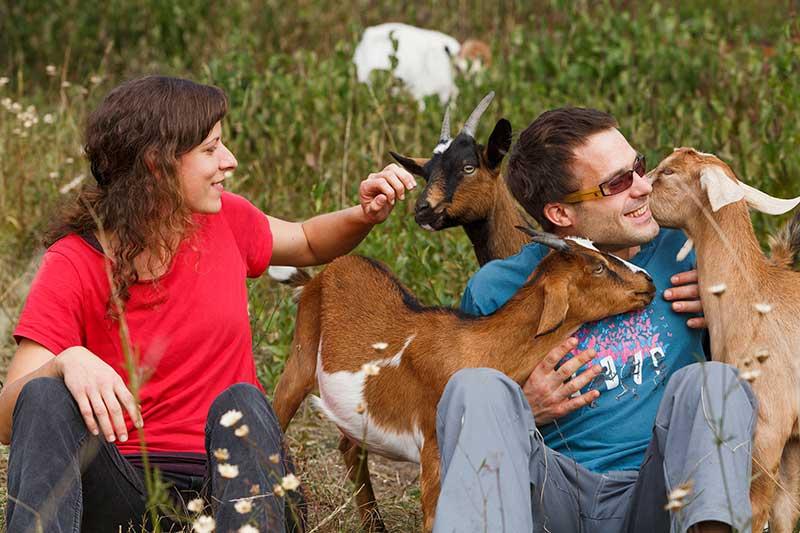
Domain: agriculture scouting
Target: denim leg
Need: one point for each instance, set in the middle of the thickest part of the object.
(703, 433)
(251, 453)
(59, 475)
(497, 475)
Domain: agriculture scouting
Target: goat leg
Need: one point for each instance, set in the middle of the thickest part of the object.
(786, 509)
(299, 375)
(355, 459)
(430, 480)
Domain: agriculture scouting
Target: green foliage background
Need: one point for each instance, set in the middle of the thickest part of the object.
(720, 76)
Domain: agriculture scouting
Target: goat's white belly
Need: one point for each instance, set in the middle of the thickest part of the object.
(341, 399)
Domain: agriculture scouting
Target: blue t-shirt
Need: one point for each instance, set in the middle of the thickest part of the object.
(639, 351)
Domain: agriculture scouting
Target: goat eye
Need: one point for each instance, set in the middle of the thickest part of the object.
(469, 169)
(599, 269)
(668, 172)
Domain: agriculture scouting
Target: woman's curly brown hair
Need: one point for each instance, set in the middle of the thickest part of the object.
(133, 142)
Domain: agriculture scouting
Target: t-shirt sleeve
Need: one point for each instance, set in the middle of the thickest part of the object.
(251, 230)
(53, 312)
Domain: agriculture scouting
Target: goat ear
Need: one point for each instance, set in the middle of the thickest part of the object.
(719, 187)
(548, 239)
(412, 164)
(499, 143)
(761, 201)
(554, 310)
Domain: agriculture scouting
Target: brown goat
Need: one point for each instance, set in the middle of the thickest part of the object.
(381, 360)
(752, 307)
(465, 188)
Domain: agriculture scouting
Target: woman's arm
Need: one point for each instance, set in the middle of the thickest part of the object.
(98, 390)
(325, 237)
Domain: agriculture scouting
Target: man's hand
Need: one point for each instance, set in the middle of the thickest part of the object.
(685, 297)
(380, 190)
(548, 390)
(99, 392)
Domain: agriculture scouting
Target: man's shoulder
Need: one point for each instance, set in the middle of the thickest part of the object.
(667, 247)
(491, 286)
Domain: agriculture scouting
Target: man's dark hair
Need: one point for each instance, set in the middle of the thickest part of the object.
(540, 166)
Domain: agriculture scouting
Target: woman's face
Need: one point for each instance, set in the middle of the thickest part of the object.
(201, 172)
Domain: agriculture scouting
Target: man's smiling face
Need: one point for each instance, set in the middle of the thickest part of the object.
(619, 221)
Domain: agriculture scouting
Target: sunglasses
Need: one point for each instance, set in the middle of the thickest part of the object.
(615, 185)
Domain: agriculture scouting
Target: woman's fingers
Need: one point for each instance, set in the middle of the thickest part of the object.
(129, 403)
(101, 414)
(85, 407)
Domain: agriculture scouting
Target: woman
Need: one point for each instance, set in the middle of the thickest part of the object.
(159, 228)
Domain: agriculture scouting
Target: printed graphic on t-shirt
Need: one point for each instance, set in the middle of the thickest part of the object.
(632, 349)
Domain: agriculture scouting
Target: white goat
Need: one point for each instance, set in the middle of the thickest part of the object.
(752, 307)
(424, 58)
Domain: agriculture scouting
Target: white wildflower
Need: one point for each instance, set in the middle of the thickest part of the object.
(228, 174)
(370, 369)
(6, 102)
(16, 107)
(678, 495)
(243, 506)
(750, 375)
(274, 458)
(72, 184)
(290, 482)
(204, 524)
(763, 308)
(230, 418)
(65, 84)
(278, 490)
(53, 175)
(380, 346)
(48, 118)
(51, 70)
(69, 160)
(717, 289)
(228, 470)
(242, 431)
(96, 80)
(196, 505)
(222, 454)
(3, 81)
(247, 528)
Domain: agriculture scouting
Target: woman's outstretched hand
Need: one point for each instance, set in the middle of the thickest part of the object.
(379, 192)
(99, 391)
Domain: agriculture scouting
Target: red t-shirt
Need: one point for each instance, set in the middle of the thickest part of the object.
(191, 327)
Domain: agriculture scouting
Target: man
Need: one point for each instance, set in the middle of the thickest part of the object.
(620, 416)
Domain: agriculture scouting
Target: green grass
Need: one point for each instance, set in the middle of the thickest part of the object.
(721, 77)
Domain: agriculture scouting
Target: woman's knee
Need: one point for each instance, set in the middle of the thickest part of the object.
(45, 394)
(248, 400)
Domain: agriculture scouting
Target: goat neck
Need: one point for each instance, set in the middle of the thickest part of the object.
(496, 236)
(506, 340)
(728, 253)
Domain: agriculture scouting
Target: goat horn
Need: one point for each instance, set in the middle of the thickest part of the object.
(445, 135)
(547, 239)
(472, 122)
(765, 203)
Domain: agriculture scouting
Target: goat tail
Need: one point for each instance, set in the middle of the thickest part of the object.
(294, 277)
(784, 246)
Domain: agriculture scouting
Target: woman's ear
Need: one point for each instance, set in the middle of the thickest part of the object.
(560, 215)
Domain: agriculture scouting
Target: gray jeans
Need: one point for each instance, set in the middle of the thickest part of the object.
(497, 475)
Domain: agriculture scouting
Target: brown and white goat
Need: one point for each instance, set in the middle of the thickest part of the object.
(752, 311)
(381, 360)
(465, 188)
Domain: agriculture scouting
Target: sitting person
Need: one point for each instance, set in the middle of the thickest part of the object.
(158, 253)
(621, 415)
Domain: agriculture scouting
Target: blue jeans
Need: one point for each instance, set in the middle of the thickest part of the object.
(62, 478)
(497, 474)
